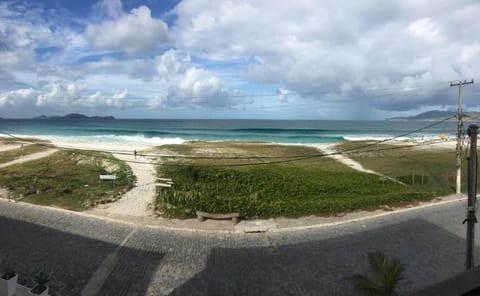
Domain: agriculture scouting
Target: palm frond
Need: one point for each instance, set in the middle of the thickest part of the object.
(386, 276)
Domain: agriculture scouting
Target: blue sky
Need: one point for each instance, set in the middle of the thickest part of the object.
(265, 59)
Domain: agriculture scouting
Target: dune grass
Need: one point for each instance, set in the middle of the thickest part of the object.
(68, 180)
(410, 164)
(315, 185)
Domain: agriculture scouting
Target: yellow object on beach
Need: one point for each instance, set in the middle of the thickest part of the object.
(443, 137)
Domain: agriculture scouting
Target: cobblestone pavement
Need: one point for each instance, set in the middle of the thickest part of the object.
(129, 259)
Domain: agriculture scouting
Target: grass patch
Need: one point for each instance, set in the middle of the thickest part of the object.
(18, 140)
(66, 179)
(315, 186)
(9, 155)
(410, 164)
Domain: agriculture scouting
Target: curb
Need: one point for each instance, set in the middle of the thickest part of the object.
(242, 228)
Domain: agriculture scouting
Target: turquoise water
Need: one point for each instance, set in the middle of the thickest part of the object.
(155, 132)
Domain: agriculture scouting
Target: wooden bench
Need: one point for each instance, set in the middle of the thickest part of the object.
(202, 215)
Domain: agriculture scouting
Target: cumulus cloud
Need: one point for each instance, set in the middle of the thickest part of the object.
(188, 85)
(391, 56)
(319, 48)
(133, 32)
(61, 97)
(172, 63)
(18, 98)
(195, 87)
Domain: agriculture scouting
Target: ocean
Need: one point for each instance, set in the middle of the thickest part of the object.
(164, 131)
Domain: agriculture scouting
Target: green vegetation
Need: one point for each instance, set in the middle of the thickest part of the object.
(411, 165)
(9, 155)
(8, 273)
(17, 140)
(386, 276)
(66, 179)
(41, 279)
(317, 185)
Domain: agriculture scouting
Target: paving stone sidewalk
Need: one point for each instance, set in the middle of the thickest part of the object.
(152, 260)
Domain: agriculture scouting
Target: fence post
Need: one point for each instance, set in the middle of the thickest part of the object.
(472, 196)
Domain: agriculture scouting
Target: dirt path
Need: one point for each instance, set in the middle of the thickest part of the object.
(29, 157)
(138, 200)
(6, 147)
(353, 164)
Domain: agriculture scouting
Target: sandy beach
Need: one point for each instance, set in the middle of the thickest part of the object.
(138, 201)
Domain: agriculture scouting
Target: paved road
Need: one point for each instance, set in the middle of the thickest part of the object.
(131, 260)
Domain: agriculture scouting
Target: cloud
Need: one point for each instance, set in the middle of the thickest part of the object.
(195, 87)
(59, 94)
(133, 67)
(426, 28)
(134, 32)
(315, 49)
(120, 95)
(62, 97)
(172, 63)
(395, 56)
(188, 86)
(20, 59)
(108, 8)
(282, 94)
(18, 98)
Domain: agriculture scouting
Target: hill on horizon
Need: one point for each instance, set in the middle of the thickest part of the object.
(433, 115)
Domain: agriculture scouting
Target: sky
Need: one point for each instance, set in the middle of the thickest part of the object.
(248, 59)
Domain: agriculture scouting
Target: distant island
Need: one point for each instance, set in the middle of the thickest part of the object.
(434, 115)
(73, 116)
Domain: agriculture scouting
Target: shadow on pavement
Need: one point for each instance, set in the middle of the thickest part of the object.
(429, 252)
(71, 260)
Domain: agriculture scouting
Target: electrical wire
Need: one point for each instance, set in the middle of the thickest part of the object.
(284, 159)
(292, 157)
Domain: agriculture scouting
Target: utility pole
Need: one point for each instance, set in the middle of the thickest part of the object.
(472, 196)
(459, 130)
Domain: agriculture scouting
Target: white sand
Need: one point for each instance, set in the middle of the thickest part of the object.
(346, 160)
(102, 146)
(6, 147)
(29, 157)
(137, 201)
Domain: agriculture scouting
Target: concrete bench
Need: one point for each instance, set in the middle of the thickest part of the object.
(108, 178)
(202, 215)
(159, 186)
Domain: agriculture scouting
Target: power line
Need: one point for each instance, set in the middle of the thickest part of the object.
(291, 157)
